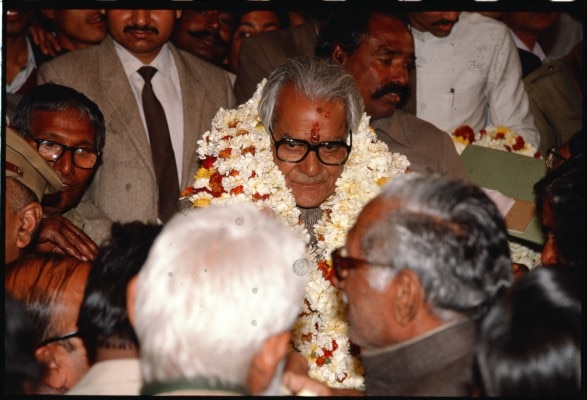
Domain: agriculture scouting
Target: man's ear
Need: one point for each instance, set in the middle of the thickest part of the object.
(408, 297)
(264, 363)
(131, 295)
(54, 376)
(29, 218)
(339, 56)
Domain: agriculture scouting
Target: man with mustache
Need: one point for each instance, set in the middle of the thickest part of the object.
(377, 49)
(128, 185)
(469, 73)
(206, 34)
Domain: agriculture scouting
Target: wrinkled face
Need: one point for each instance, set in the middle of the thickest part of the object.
(250, 24)
(369, 327)
(141, 32)
(381, 65)
(530, 22)
(78, 29)
(296, 117)
(70, 129)
(77, 363)
(205, 33)
(17, 22)
(438, 23)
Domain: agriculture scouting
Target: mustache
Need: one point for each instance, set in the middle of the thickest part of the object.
(403, 91)
(443, 22)
(141, 28)
(204, 34)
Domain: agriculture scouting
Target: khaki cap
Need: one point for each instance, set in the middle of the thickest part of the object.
(25, 165)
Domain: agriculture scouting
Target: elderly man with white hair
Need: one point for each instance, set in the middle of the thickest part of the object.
(215, 303)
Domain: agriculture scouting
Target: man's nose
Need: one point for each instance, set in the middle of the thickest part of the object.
(64, 165)
(141, 17)
(310, 165)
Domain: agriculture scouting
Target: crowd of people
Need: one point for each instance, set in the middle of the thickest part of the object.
(259, 202)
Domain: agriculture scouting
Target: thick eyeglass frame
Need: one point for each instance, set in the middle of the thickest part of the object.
(342, 263)
(65, 336)
(312, 147)
(551, 156)
(64, 148)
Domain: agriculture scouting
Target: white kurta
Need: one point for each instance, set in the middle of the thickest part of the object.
(472, 76)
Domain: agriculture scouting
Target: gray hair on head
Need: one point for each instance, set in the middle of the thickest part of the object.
(316, 79)
(450, 234)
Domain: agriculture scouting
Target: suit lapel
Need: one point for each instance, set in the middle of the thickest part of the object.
(192, 96)
(124, 116)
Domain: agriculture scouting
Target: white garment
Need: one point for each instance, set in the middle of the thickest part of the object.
(536, 50)
(472, 76)
(167, 89)
(111, 377)
(24, 73)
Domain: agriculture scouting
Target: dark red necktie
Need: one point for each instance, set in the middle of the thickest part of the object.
(161, 149)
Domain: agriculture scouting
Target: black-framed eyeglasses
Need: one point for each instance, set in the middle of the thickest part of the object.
(52, 151)
(553, 157)
(342, 263)
(58, 338)
(295, 150)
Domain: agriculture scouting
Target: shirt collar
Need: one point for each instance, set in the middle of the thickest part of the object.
(131, 64)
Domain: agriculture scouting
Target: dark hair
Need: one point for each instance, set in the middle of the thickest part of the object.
(563, 188)
(22, 371)
(103, 318)
(347, 29)
(530, 341)
(52, 97)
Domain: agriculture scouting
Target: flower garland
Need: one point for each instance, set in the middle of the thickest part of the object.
(505, 139)
(494, 137)
(238, 167)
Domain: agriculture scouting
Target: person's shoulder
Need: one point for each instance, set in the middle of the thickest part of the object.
(72, 58)
(546, 70)
(477, 21)
(197, 64)
(415, 124)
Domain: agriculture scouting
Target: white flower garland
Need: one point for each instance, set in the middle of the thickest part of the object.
(238, 167)
(505, 139)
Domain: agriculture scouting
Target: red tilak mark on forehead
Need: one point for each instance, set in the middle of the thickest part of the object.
(315, 133)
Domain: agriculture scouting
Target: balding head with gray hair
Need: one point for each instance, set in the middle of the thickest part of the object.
(315, 79)
(217, 284)
(450, 234)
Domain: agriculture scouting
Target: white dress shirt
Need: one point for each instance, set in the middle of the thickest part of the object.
(24, 73)
(472, 76)
(536, 50)
(167, 89)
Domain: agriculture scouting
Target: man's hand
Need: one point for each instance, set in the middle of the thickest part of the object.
(297, 380)
(58, 235)
(48, 43)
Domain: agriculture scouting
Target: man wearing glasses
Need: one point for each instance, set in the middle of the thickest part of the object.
(422, 264)
(67, 130)
(51, 287)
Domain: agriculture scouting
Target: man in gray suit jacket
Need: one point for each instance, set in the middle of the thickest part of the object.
(190, 90)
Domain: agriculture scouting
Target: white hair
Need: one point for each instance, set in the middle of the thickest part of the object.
(216, 284)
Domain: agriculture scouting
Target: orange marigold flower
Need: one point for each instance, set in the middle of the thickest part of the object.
(237, 190)
(250, 150)
(233, 123)
(225, 153)
(188, 191)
